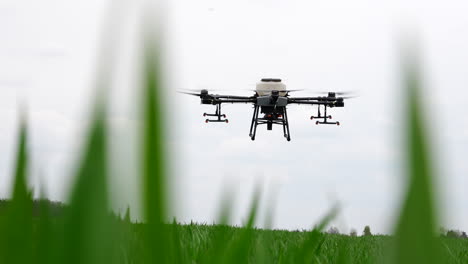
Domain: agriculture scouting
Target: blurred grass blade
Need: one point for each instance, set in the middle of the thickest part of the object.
(20, 191)
(45, 234)
(217, 248)
(88, 231)
(225, 210)
(343, 251)
(253, 209)
(153, 162)
(270, 208)
(415, 230)
(127, 218)
(89, 226)
(17, 227)
(240, 248)
(266, 238)
(178, 255)
(310, 247)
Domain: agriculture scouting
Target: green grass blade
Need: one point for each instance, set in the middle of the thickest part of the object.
(343, 251)
(45, 234)
(217, 243)
(266, 239)
(415, 230)
(253, 209)
(127, 218)
(225, 210)
(88, 232)
(89, 227)
(178, 254)
(309, 249)
(21, 195)
(240, 248)
(153, 162)
(17, 224)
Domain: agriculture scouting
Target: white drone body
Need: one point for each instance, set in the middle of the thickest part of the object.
(266, 86)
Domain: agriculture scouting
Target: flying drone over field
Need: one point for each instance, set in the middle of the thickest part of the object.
(271, 99)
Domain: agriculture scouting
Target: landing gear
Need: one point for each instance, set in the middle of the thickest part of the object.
(253, 126)
(218, 115)
(279, 117)
(324, 117)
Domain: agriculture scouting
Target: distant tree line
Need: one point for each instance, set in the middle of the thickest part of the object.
(452, 233)
(367, 232)
(353, 232)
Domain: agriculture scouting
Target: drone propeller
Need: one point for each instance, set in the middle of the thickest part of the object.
(346, 93)
(352, 92)
(206, 89)
(342, 94)
(194, 94)
(200, 93)
(349, 97)
(281, 91)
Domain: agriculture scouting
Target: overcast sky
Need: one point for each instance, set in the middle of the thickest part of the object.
(48, 58)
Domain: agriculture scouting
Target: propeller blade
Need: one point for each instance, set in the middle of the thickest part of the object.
(349, 97)
(208, 89)
(352, 92)
(296, 90)
(281, 91)
(194, 94)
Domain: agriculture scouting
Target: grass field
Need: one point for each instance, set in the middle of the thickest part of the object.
(201, 243)
(87, 232)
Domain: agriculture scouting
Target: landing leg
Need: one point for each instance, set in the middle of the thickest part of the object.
(284, 117)
(253, 120)
(253, 126)
(218, 115)
(218, 111)
(325, 118)
(325, 113)
(287, 135)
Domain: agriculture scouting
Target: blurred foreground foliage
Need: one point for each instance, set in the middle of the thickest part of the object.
(86, 231)
(202, 243)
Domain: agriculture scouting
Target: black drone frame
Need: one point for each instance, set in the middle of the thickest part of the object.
(273, 106)
(270, 120)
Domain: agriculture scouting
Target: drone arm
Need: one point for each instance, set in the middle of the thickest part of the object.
(308, 102)
(306, 98)
(234, 97)
(328, 101)
(232, 101)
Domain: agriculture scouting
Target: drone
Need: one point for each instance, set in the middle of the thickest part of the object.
(270, 103)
